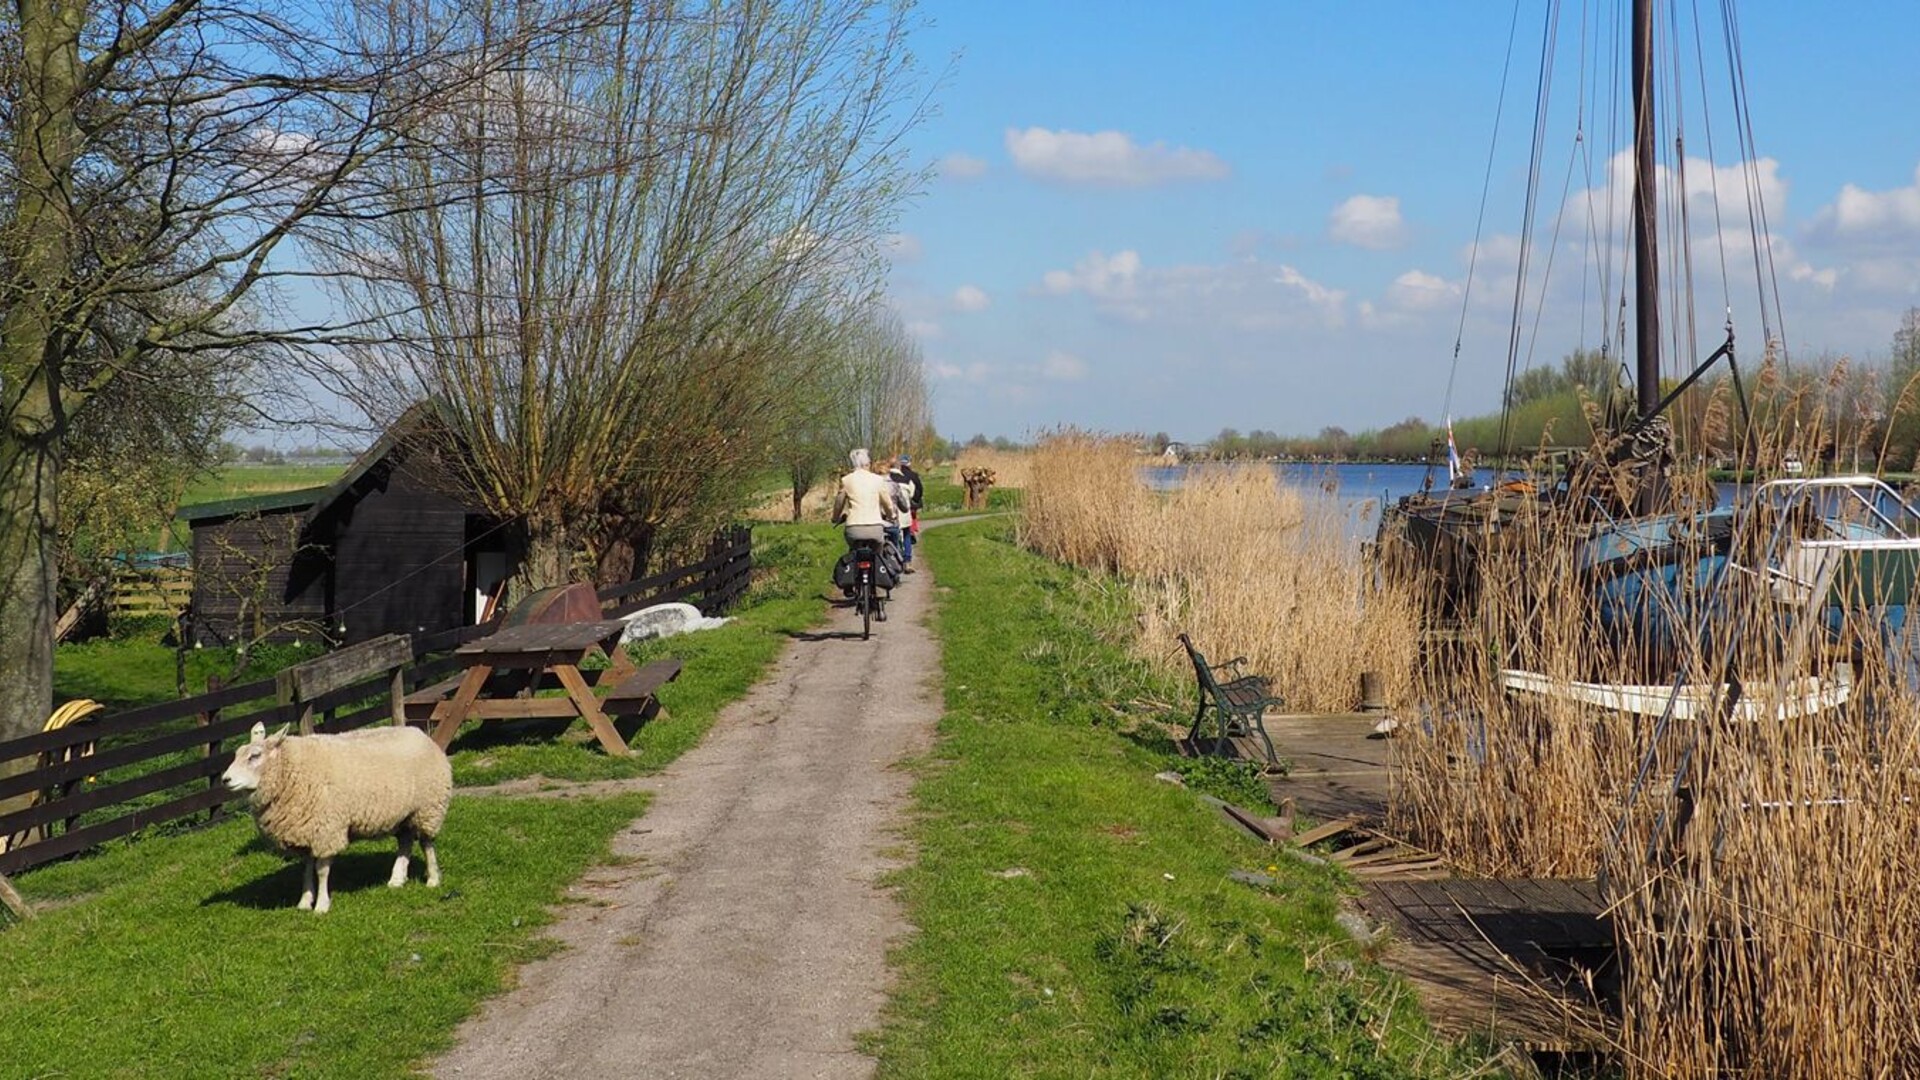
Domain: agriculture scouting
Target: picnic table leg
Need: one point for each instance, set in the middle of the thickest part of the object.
(448, 714)
(619, 663)
(589, 707)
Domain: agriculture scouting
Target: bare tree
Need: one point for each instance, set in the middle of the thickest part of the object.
(606, 265)
(879, 392)
(161, 157)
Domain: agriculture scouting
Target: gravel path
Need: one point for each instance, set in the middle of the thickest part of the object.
(743, 933)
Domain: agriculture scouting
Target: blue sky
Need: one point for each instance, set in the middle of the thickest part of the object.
(1185, 217)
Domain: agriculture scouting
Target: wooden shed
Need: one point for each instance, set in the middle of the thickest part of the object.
(386, 548)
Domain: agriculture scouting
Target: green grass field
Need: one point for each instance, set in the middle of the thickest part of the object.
(184, 957)
(1075, 915)
(241, 481)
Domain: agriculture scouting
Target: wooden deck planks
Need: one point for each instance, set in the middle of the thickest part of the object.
(1487, 957)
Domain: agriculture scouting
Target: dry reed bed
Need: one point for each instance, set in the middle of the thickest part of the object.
(1762, 871)
(1242, 565)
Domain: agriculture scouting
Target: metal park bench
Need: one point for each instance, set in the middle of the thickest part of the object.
(1238, 701)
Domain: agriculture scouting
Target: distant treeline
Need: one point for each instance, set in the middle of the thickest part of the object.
(1852, 414)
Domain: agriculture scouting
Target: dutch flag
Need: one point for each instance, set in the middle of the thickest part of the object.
(1453, 455)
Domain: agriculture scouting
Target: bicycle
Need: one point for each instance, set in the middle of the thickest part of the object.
(866, 594)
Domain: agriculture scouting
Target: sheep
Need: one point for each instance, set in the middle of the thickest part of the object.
(313, 793)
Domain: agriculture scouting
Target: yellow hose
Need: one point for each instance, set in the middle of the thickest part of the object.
(77, 709)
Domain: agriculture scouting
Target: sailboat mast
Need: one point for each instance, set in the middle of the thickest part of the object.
(1646, 255)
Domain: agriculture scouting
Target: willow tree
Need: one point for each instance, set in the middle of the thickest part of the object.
(606, 265)
(881, 400)
(158, 159)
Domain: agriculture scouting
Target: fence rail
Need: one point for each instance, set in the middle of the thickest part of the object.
(111, 776)
(163, 591)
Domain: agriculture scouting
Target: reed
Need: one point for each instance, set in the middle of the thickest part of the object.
(1759, 855)
(1241, 564)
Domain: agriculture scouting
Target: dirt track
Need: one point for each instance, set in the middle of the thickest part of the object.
(747, 937)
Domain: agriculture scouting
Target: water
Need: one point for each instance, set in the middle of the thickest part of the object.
(1359, 490)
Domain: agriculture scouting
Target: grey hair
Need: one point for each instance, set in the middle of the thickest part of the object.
(860, 458)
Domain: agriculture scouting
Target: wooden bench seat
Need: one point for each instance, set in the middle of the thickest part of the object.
(632, 694)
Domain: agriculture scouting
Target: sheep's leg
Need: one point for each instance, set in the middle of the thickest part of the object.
(433, 862)
(404, 836)
(306, 885)
(324, 902)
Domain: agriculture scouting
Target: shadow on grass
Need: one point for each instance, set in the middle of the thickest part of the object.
(352, 872)
(495, 734)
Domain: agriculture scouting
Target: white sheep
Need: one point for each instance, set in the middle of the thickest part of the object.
(314, 793)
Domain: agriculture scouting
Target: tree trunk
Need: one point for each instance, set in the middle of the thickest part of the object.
(799, 495)
(46, 139)
(28, 472)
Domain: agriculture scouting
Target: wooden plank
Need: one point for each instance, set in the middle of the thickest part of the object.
(647, 679)
(544, 637)
(129, 754)
(1363, 848)
(46, 813)
(521, 708)
(12, 862)
(10, 897)
(344, 667)
(1322, 832)
(133, 720)
(583, 698)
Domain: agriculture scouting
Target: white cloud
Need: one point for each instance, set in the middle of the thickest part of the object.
(902, 247)
(1368, 221)
(1417, 290)
(1063, 366)
(971, 298)
(961, 167)
(1098, 275)
(925, 329)
(1247, 293)
(1859, 214)
(1109, 158)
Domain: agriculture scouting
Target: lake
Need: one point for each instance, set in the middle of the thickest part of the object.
(1361, 489)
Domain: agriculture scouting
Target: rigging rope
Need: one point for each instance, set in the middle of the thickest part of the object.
(1486, 184)
(1541, 95)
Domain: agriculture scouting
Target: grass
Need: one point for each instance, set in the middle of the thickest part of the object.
(1075, 915)
(241, 481)
(186, 959)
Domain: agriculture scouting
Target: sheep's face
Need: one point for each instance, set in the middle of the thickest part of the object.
(249, 762)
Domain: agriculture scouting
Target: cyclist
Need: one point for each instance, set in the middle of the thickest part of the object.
(865, 504)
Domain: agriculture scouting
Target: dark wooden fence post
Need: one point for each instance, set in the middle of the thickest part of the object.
(212, 749)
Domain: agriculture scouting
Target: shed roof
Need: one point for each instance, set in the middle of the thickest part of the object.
(297, 499)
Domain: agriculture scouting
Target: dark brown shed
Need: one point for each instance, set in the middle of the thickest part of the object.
(384, 549)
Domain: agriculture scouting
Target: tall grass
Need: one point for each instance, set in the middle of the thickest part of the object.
(1759, 859)
(1240, 564)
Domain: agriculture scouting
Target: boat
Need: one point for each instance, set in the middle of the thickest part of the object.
(1657, 572)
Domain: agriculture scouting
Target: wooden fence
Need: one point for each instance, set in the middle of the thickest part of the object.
(161, 591)
(114, 775)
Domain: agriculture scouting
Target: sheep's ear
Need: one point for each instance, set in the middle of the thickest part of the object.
(258, 733)
(280, 736)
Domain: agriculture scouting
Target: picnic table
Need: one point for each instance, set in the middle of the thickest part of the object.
(504, 671)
